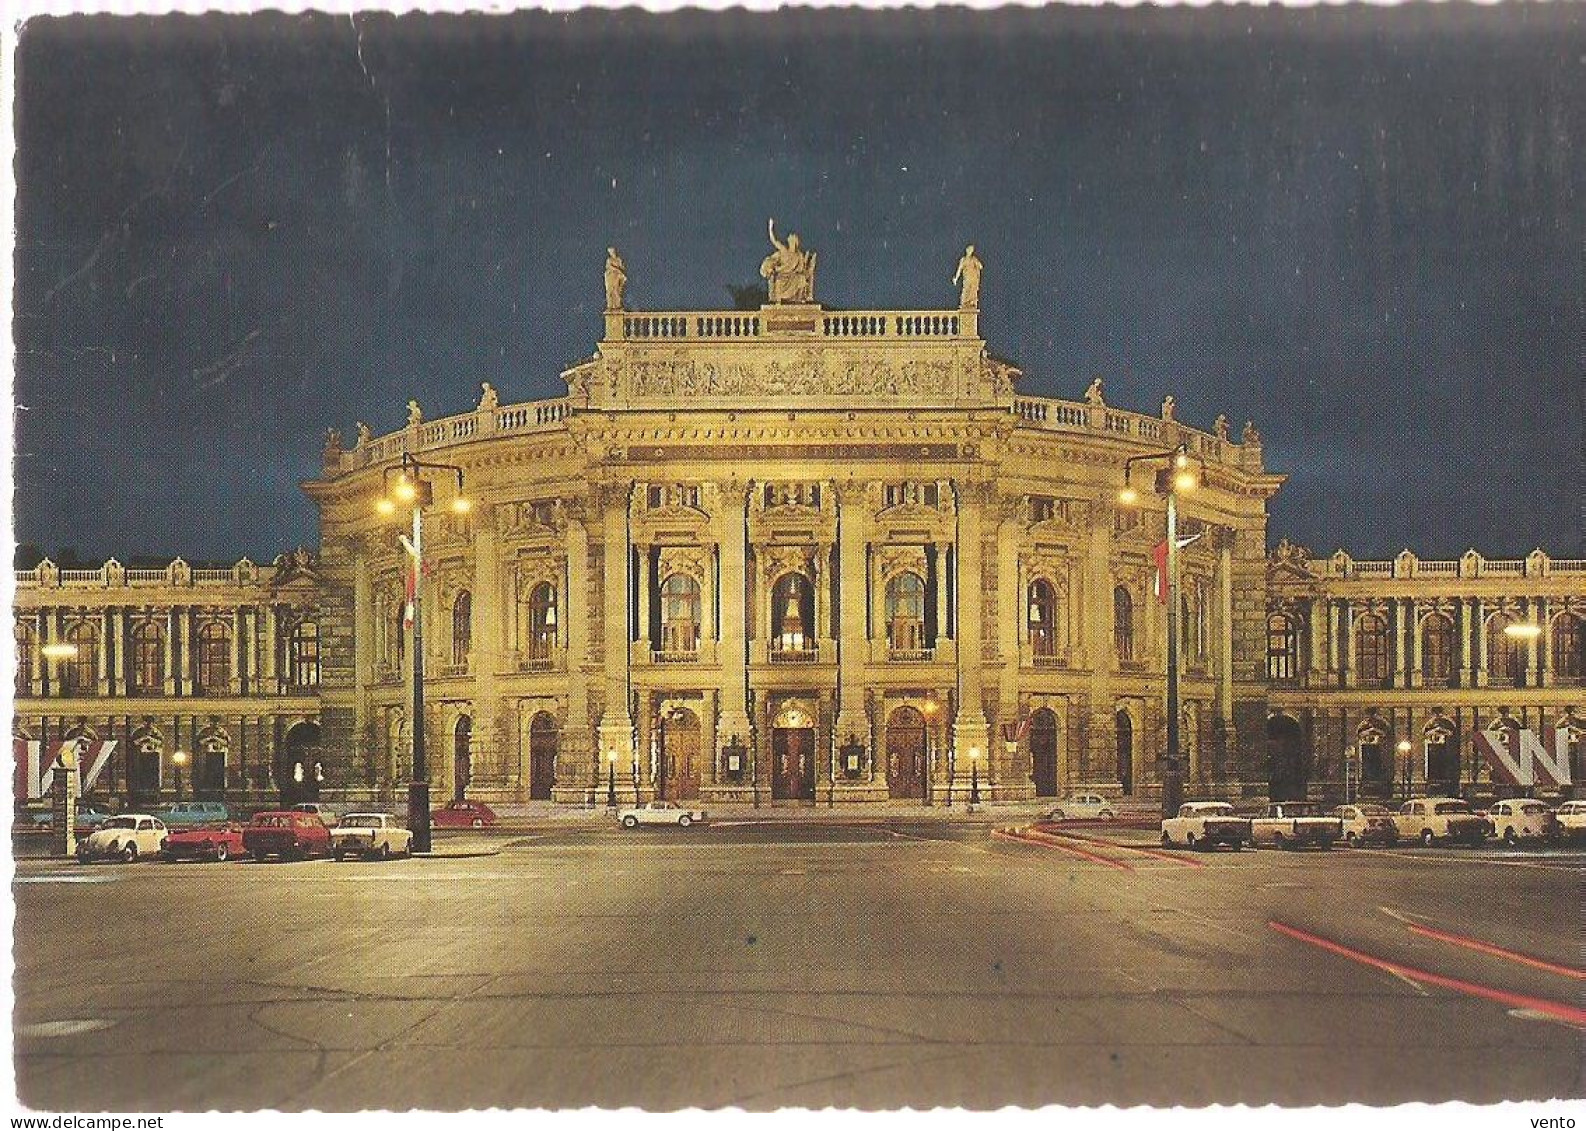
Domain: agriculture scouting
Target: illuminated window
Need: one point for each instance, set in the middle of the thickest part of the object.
(540, 635)
(1043, 618)
(148, 659)
(462, 628)
(27, 637)
(1568, 657)
(1123, 623)
(1283, 648)
(1437, 651)
(79, 674)
(680, 614)
(1373, 663)
(905, 611)
(214, 659)
(304, 655)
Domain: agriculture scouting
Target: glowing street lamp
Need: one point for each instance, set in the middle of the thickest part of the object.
(59, 652)
(1404, 749)
(179, 760)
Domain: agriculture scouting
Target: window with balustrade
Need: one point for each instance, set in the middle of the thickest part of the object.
(897, 494)
(1283, 648)
(680, 614)
(1505, 658)
(1043, 624)
(147, 676)
(539, 623)
(1567, 656)
(303, 657)
(1123, 623)
(462, 629)
(27, 640)
(905, 613)
(1437, 651)
(213, 671)
(1373, 651)
(80, 672)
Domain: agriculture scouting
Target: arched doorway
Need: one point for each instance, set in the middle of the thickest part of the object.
(462, 757)
(300, 771)
(679, 769)
(906, 741)
(1043, 752)
(1287, 774)
(542, 756)
(1125, 728)
(793, 755)
(1441, 757)
(1375, 743)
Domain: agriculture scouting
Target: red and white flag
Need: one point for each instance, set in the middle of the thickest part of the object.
(1159, 554)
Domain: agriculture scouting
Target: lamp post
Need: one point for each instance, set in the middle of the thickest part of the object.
(974, 778)
(178, 760)
(1172, 479)
(63, 799)
(611, 780)
(413, 491)
(951, 770)
(931, 707)
(1404, 749)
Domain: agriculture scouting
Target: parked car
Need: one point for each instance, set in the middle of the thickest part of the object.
(1082, 806)
(1204, 824)
(126, 837)
(1523, 818)
(1571, 817)
(195, 814)
(370, 834)
(660, 813)
(463, 815)
(1432, 819)
(326, 815)
(285, 833)
(1294, 824)
(217, 842)
(1367, 824)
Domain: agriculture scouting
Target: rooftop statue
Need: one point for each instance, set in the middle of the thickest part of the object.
(1168, 404)
(616, 279)
(415, 414)
(365, 433)
(489, 399)
(789, 271)
(1220, 429)
(1093, 394)
(1250, 435)
(969, 268)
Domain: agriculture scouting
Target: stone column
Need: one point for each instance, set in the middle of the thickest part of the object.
(970, 731)
(1319, 624)
(485, 646)
(118, 633)
(172, 627)
(272, 684)
(1098, 761)
(577, 752)
(853, 523)
(42, 618)
(1003, 765)
(939, 581)
(1225, 631)
(645, 644)
(1346, 624)
(1417, 673)
(1479, 629)
(1537, 608)
(1400, 673)
(104, 654)
(732, 650)
(616, 725)
(236, 652)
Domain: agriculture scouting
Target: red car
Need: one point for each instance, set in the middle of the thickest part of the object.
(286, 834)
(217, 842)
(463, 815)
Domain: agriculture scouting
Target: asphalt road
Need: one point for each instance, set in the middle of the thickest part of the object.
(785, 964)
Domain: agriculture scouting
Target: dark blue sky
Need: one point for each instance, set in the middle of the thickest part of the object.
(1361, 227)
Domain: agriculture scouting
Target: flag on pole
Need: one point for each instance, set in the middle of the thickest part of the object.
(1159, 587)
(411, 582)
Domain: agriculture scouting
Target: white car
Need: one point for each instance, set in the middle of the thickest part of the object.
(659, 813)
(1364, 824)
(126, 837)
(1571, 817)
(1082, 806)
(1522, 818)
(1432, 819)
(370, 834)
(1202, 824)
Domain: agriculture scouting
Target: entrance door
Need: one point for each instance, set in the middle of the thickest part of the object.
(462, 757)
(679, 756)
(542, 757)
(1442, 765)
(906, 754)
(1287, 778)
(143, 776)
(209, 776)
(1125, 727)
(793, 764)
(300, 769)
(1043, 752)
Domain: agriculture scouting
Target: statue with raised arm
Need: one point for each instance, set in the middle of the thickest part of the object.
(1168, 408)
(1093, 394)
(488, 399)
(616, 279)
(415, 414)
(789, 271)
(365, 434)
(969, 268)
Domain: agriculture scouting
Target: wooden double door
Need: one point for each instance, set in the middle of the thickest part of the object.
(906, 749)
(793, 764)
(677, 776)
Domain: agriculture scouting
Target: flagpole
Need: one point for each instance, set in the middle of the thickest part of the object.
(1172, 782)
(419, 787)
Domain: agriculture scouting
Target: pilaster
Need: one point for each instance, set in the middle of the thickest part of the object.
(853, 523)
(970, 731)
(730, 651)
(616, 725)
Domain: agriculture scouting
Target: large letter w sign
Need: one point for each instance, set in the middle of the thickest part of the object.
(1519, 757)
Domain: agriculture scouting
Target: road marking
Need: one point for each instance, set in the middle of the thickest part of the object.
(66, 878)
(1466, 860)
(63, 1028)
(1041, 840)
(1497, 951)
(1571, 1014)
(793, 872)
(1152, 852)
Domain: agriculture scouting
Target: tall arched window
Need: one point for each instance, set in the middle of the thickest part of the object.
(680, 614)
(80, 673)
(1123, 623)
(462, 628)
(1043, 619)
(148, 659)
(1505, 659)
(540, 622)
(1437, 651)
(1373, 662)
(1283, 648)
(303, 658)
(905, 610)
(1568, 654)
(27, 638)
(213, 673)
(793, 614)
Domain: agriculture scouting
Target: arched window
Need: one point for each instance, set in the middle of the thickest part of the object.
(1568, 655)
(1437, 651)
(1505, 659)
(303, 659)
(80, 673)
(1043, 619)
(214, 659)
(462, 628)
(680, 614)
(1123, 623)
(148, 659)
(540, 622)
(1373, 662)
(793, 614)
(1283, 648)
(398, 631)
(27, 637)
(905, 610)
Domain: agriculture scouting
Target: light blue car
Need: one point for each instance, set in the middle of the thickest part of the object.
(194, 814)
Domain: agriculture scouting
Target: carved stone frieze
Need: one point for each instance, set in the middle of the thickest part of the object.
(801, 372)
(901, 559)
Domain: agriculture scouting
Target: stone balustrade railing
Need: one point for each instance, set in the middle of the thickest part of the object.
(709, 325)
(531, 416)
(1471, 565)
(1077, 416)
(113, 575)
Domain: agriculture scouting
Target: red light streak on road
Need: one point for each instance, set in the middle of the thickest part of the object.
(1497, 951)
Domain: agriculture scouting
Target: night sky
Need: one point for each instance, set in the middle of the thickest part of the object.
(1362, 228)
